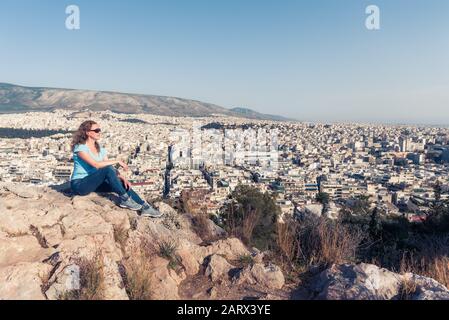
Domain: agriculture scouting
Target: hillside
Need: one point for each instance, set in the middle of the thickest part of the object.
(47, 235)
(15, 98)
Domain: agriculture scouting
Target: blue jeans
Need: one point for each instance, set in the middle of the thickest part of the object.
(103, 180)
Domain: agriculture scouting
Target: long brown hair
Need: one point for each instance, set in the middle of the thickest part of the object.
(80, 136)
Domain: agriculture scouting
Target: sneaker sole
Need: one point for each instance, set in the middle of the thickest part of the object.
(133, 209)
(150, 216)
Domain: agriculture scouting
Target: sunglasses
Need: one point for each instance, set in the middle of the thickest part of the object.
(96, 130)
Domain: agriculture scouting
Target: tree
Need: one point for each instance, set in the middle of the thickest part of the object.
(375, 225)
(323, 198)
(437, 190)
(438, 218)
(362, 205)
(252, 216)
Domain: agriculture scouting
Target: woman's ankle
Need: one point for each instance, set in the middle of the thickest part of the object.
(124, 197)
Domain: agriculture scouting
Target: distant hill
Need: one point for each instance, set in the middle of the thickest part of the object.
(248, 113)
(14, 98)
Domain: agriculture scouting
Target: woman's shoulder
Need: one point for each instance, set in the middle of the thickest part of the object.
(80, 147)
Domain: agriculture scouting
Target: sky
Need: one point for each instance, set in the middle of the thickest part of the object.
(312, 60)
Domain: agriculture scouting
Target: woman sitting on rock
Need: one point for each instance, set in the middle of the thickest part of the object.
(94, 172)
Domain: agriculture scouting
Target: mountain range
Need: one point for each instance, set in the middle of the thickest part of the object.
(15, 98)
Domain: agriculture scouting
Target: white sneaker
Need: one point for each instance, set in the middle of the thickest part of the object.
(150, 212)
(128, 203)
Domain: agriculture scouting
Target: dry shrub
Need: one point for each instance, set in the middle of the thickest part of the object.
(92, 281)
(243, 229)
(200, 220)
(287, 239)
(286, 253)
(16, 234)
(408, 289)
(121, 236)
(136, 270)
(136, 276)
(133, 222)
(231, 223)
(201, 226)
(435, 267)
(250, 220)
(148, 247)
(430, 259)
(323, 242)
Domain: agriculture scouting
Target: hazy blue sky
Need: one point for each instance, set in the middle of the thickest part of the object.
(307, 59)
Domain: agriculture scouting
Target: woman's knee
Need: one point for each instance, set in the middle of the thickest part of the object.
(108, 170)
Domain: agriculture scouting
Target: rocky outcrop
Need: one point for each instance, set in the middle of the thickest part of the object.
(44, 234)
(269, 276)
(369, 282)
(23, 281)
(218, 267)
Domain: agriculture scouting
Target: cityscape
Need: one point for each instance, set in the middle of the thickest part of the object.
(397, 167)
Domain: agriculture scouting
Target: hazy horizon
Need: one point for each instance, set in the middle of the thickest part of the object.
(313, 61)
(361, 122)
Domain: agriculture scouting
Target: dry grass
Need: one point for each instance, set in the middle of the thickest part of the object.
(121, 236)
(431, 259)
(244, 230)
(148, 247)
(435, 267)
(201, 226)
(136, 270)
(250, 220)
(200, 221)
(322, 242)
(136, 276)
(16, 234)
(287, 239)
(92, 281)
(286, 255)
(133, 223)
(408, 289)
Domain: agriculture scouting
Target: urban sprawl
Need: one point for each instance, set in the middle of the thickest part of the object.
(204, 159)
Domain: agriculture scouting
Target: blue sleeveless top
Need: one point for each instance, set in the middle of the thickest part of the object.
(81, 168)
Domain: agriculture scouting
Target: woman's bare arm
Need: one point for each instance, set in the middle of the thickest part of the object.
(100, 164)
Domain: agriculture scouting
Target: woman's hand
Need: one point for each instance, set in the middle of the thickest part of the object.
(123, 165)
(126, 183)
